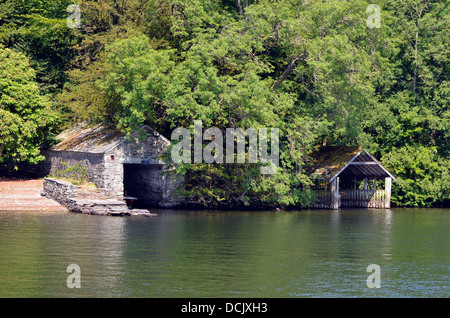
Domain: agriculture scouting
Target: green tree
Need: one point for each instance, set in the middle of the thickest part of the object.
(423, 176)
(38, 28)
(26, 117)
(408, 127)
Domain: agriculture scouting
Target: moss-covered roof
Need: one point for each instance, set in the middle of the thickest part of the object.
(88, 138)
(327, 162)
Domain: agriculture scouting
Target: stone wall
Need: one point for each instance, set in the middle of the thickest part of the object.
(66, 194)
(113, 174)
(148, 149)
(169, 186)
(93, 163)
(60, 191)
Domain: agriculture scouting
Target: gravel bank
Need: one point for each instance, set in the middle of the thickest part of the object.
(25, 195)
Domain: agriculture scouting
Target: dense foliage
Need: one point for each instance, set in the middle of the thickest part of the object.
(314, 69)
(26, 117)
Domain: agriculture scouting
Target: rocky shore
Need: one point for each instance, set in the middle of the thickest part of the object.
(78, 200)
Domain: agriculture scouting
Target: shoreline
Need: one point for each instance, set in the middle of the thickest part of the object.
(23, 194)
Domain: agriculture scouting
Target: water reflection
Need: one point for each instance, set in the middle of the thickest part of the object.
(386, 252)
(314, 253)
(109, 248)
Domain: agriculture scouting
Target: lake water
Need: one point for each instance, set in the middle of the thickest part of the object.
(310, 253)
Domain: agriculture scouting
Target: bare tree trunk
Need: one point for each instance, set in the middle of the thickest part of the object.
(290, 67)
(239, 7)
(419, 14)
(415, 58)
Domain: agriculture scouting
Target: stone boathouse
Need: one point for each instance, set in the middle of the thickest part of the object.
(119, 166)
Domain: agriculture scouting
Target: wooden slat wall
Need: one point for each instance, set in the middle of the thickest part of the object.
(323, 200)
(363, 198)
(352, 198)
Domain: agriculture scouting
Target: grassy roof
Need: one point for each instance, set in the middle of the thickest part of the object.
(88, 138)
(329, 160)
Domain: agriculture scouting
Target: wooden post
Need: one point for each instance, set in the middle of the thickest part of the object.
(335, 194)
(387, 189)
(332, 190)
(338, 199)
(365, 183)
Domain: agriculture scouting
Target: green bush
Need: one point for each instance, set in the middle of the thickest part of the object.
(76, 174)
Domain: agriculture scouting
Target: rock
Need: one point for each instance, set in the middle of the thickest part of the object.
(66, 194)
(142, 212)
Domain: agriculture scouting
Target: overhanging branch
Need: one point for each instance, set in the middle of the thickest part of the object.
(300, 57)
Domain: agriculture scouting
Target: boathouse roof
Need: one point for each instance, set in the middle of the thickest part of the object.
(330, 162)
(85, 137)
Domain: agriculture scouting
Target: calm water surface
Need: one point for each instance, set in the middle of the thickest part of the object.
(313, 253)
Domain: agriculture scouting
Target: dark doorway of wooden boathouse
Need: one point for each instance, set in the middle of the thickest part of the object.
(143, 182)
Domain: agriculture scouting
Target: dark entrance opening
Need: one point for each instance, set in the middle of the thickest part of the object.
(144, 183)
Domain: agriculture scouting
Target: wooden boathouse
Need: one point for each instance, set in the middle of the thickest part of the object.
(349, 177)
